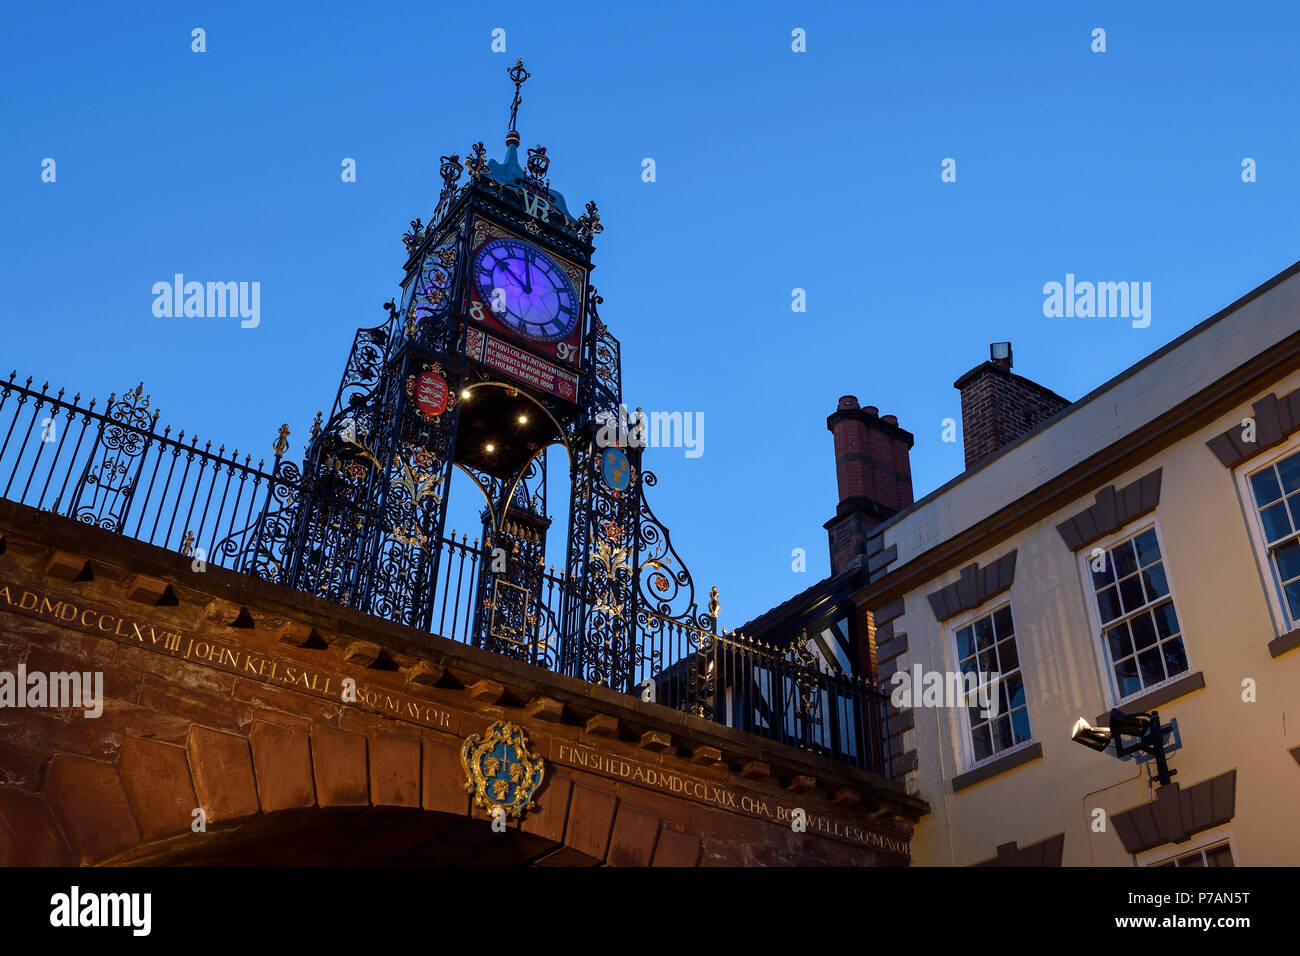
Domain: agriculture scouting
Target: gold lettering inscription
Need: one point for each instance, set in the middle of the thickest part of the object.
(705, 792)
(405, 707)
(269, 669)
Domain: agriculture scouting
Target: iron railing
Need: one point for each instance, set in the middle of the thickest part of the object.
(114, 469)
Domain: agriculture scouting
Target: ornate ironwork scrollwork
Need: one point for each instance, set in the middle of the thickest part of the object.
(108, 483)
(663, 581)
(809, 689)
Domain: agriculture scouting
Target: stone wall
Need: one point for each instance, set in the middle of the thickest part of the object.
(225, 694)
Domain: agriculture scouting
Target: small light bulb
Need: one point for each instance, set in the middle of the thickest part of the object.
(523, 419)
(465, 393)
(490, 448)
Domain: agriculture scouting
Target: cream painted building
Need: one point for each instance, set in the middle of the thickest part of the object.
(1138, 549)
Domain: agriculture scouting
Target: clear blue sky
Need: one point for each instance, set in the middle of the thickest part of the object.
(775, 170)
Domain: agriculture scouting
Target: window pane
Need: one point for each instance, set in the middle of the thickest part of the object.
(1192, 859)
(1175, 656)
(1147, 548)
(1152, 666)
(1294, 504)
(1002, 624)
(1293, 599)
(1144, 630)
(1015, 691)
(1118, 641)
(965, 643)
(1166, 620)
(988, 660)
(1265, 486)
(1154, 579)
(1219, 856)
(1008, 659)
(1130, 592)
(1125, 561)
(1107, 573)
(1289, 469)
(1126, 676)
(1288, 560)
(1108, 604)
(982, 741)
(1276, 523)
(1020, 724)
(1002, 738)
(983, 632)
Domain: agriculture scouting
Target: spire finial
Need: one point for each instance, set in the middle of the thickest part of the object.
(518, 75)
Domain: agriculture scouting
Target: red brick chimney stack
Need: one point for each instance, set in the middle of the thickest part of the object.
(874, 474)
(998, 406)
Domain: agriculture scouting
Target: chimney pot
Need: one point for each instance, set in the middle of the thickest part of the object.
(1000, 354)
(873, 474)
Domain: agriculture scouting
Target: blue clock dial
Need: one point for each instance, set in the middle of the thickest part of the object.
(526, 290)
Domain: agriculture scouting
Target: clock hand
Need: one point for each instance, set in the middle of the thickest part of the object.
(528, 270)
(511, 272)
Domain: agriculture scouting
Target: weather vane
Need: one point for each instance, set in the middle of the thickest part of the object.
(518, 74)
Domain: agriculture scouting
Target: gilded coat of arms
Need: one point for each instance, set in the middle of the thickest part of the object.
(430, 392)
(500, 769)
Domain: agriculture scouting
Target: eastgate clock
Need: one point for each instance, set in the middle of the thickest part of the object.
(526, 290)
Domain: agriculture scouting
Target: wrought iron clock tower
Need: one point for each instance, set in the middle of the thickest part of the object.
(493, 352)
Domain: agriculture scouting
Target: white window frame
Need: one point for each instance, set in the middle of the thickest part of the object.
(960, 718)
(1131, 530)
(1202, 841)
(1283, 623)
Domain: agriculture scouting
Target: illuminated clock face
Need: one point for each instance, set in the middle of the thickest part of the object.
(526, 290)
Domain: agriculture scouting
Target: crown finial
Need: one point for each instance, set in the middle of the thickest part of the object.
(518, 75)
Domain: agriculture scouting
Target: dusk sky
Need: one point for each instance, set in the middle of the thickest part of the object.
(775, 170)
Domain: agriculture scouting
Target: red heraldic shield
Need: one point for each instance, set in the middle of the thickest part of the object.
(430, 393)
